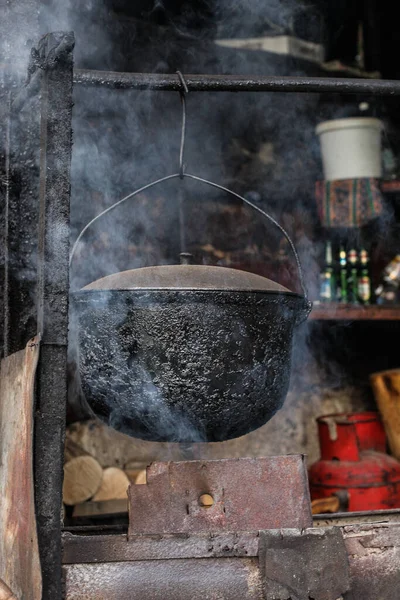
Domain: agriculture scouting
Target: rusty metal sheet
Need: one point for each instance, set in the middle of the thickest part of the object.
(196, 579)
(249, 494)
(299, 565)
(374, 556)
(373, 551)
(19, 554)
(116, 548)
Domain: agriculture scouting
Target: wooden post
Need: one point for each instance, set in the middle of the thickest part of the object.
(52, 298)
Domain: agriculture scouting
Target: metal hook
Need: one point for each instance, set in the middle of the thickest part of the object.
(183, 82)
(182, 92)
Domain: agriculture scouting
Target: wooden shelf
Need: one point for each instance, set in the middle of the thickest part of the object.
(390, 187)
(350, 312)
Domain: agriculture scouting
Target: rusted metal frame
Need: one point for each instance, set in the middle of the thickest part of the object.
(236, 83)
(276, 488)
(116, 548)
(220, 83)
(373, 551)
(303, 564)
(194, 579)
(317, 558)
(390, 516)
(380, 517)
(52, 305)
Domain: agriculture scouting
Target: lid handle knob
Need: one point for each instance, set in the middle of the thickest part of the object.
(185, 258)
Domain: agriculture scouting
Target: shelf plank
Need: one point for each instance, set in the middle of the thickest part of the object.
(349, 312)
(390, 187)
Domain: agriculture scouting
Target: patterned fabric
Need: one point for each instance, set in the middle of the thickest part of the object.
(348, 202)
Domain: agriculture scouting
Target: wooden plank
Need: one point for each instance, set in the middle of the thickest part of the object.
(19, 554)
(348, 312)
(390, 187)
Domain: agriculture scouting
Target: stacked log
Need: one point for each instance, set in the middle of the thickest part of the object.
(82, 475)
(113, 486)
(96, 479)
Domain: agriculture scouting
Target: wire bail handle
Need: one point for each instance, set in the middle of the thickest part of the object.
(181, 175)
(182, 92)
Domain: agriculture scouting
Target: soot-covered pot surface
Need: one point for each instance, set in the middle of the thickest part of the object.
(185, 352)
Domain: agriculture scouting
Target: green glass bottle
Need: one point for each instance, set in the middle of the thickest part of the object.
(327, 277)
(352, 276)
(343, 275)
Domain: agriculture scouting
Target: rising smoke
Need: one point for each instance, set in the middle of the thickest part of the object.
(124, 139)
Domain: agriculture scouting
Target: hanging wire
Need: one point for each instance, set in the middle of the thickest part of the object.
(181, 175)
(181, 192)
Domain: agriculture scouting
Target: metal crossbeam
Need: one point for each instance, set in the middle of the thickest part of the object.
(236, 83)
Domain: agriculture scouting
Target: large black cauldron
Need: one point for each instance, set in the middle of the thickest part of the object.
(185, 352)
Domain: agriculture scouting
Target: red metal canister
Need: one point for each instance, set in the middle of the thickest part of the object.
(353, 461)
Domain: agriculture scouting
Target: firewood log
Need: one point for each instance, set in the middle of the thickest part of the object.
(325, 505)
(82, 475)
(135, 469)
(141, 477)
(114, 485)
(132, 474)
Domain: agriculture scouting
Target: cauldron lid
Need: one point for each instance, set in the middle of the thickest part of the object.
(194, 277)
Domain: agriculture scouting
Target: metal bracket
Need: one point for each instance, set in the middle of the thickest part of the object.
(303, 564)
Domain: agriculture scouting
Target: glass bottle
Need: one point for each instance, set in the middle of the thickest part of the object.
(327, 276)
(343, 275)
(352, 276)
(364, 279)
